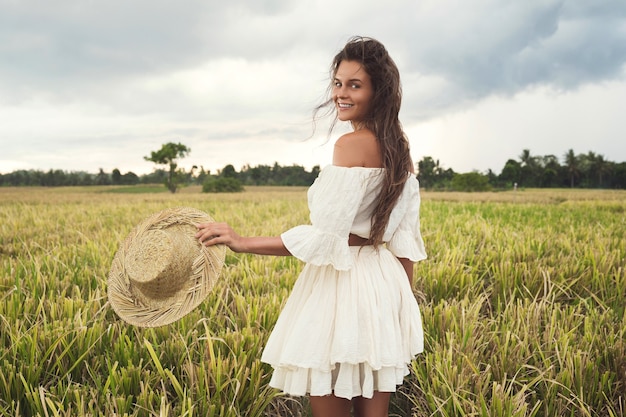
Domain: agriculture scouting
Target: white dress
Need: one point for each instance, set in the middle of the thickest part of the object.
(351, 325)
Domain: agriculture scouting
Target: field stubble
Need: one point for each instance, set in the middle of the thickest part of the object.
(523, 301)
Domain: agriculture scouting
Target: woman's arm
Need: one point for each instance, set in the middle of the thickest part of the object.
(263, 246)
(221, 233)
(408, 267)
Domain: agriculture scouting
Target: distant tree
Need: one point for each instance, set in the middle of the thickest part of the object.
(602, 168)
(276, 175)
(594, 168)
(103, 178)
(202, 175)
(526, 158)
(213, 184)
(116, 177)
(167, 155)
(130, 178)
(228, 172)
(572, 164)
(549, 168)
(511, 173)
(192, 173)
(530, 169)
(427, 170)
(73, 178)
(492, 177)
(619, 175)
(471, 181)
(432, 175)
(293, 175)
(260, 174)
(158, 176)
(54, 178)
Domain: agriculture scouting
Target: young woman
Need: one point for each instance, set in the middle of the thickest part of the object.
(351, 325)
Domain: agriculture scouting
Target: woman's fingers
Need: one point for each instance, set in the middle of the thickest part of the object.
(214, 233)
(206, 231)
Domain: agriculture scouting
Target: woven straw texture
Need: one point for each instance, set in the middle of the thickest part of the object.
(161, 272)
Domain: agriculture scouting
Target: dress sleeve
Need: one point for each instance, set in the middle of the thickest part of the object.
(406, 241)
(333, 199)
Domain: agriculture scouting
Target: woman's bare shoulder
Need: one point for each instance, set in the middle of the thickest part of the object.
(357, 149)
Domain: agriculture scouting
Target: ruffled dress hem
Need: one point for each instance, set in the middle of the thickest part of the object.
(344, 381)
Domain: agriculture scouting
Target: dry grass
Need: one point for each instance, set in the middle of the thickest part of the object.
(522, 297)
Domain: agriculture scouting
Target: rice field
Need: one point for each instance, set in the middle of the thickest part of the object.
(523, 299)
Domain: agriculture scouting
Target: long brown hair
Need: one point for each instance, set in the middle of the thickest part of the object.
(382, 119)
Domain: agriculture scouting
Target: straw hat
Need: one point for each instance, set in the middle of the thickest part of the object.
(161, 272)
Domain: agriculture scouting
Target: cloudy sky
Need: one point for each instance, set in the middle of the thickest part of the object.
(89, 84)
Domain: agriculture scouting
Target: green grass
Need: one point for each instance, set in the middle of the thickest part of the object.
(523, 301)
(136, 189)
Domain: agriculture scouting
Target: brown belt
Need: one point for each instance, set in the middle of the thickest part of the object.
(354, 240)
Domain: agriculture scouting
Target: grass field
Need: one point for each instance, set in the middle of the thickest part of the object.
(523, 299)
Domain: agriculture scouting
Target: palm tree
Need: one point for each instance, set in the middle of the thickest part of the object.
(602, 167)
(427, 171)
(550, 170)
(595, 165)
(526, 159)
(530, 169)
(572, 162)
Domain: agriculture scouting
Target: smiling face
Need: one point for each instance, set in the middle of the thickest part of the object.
(352, 92)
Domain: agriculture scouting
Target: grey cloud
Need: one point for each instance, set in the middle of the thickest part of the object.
(580, 52)
(65, 45)
(507, 47)
(96, 50)
(67, 51)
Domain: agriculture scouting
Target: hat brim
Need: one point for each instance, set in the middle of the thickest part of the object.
(205, 270)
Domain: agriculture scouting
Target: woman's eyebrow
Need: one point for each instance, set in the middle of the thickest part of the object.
(350, 80)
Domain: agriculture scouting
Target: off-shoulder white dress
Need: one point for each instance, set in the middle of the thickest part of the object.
(351, 325)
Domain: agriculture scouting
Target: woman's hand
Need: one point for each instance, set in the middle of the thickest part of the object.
(214, 233)
(221, 233)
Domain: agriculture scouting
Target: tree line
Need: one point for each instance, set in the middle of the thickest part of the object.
(588, 170)
(293, 175)
(585, 170)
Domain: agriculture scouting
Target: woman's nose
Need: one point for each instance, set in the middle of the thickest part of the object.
(341, 91)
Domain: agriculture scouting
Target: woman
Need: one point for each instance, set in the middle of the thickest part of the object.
(351, 325)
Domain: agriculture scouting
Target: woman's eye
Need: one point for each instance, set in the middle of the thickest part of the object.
(355, 86)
